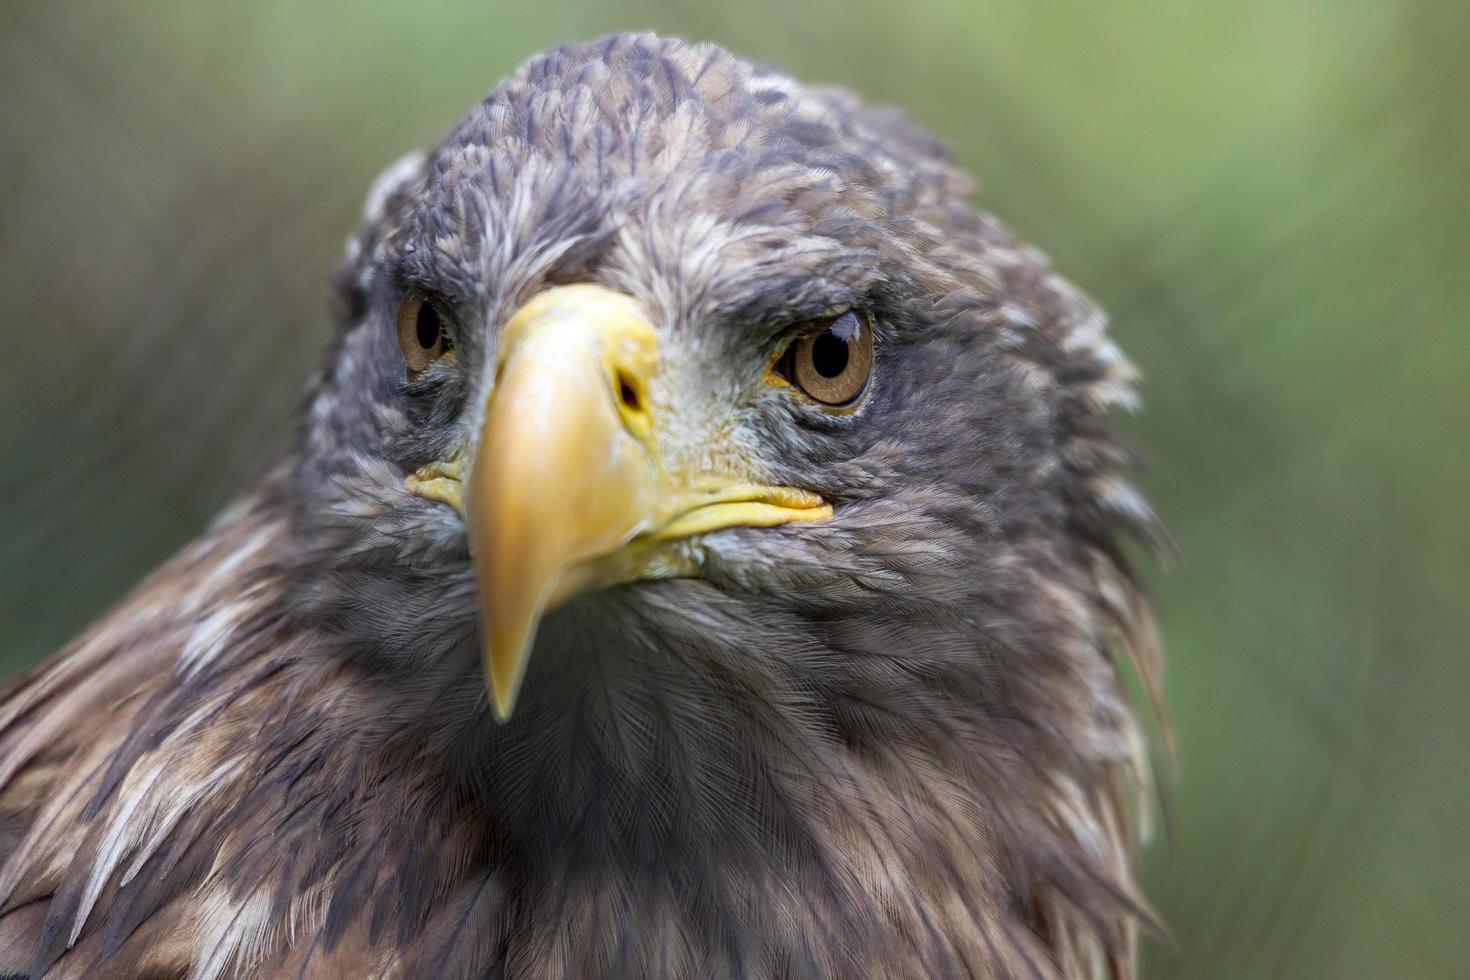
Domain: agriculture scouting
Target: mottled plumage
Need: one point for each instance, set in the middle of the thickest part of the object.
(893, 743)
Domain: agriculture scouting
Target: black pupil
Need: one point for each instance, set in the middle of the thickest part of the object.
(829, 355)
(428, 326)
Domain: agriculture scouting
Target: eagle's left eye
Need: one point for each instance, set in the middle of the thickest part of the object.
(422, 329)
(831, 362)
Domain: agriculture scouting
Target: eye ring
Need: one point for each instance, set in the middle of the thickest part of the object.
(832, 361)
(423, 328)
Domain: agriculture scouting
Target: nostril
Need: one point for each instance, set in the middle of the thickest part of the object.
(628, 393)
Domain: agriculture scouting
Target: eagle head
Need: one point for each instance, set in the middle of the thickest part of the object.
(701, 553)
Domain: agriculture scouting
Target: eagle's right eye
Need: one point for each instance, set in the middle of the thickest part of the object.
(423, 329)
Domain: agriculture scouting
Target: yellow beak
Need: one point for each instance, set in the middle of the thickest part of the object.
(568, 491)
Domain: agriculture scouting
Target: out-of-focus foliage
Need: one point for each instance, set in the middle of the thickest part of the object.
(1273, 200)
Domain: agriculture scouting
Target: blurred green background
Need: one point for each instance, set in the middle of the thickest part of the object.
(1272, 199)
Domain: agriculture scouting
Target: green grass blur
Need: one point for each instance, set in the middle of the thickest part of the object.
(1272, 200)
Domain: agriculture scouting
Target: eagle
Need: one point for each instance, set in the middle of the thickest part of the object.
(703, 551)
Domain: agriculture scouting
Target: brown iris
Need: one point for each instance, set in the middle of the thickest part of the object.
(422, 329)
(831, 362)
